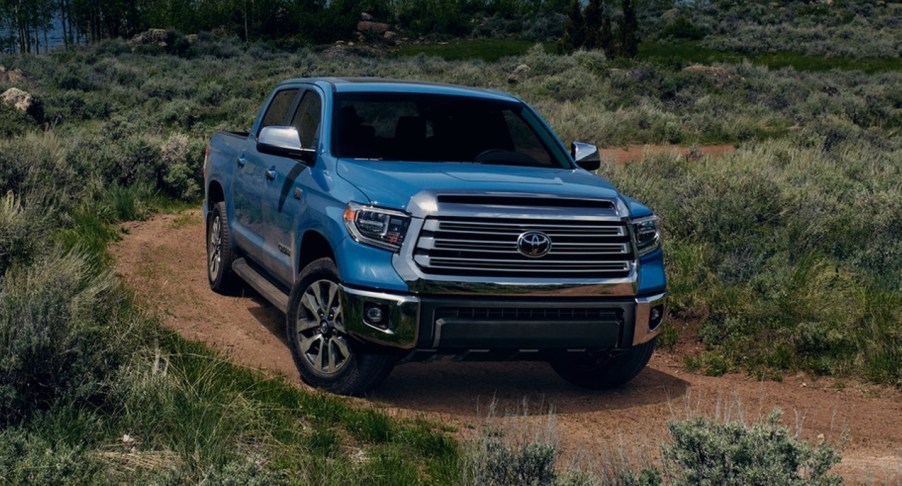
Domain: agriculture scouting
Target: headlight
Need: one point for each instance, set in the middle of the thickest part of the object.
(383, 228)
(648, 234)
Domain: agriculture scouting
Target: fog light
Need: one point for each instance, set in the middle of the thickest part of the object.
(655, 317)
(376, 314)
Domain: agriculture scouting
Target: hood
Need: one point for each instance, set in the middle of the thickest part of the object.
(392, 184)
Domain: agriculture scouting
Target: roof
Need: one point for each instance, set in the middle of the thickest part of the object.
(380, 85)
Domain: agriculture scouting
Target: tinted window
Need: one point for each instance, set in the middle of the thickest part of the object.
(277, 113)
(307, 118)
(417, 127)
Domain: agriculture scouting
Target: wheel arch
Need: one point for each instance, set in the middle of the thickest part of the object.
(215, 194)
(313, 246)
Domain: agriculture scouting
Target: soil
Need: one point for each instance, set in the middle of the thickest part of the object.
(163, 260)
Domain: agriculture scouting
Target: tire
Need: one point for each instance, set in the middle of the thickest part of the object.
(600, 372)
(325, 355)
(220, 253)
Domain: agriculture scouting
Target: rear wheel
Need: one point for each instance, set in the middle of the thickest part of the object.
(599, 372)
(325, 355)
(219, 251)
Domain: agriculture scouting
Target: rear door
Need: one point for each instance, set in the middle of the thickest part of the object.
(250, 184)
(288, 188)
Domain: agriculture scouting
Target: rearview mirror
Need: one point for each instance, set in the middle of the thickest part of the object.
(282, 141)
(586, 155)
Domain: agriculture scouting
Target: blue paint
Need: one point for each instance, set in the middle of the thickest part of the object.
(274, 202)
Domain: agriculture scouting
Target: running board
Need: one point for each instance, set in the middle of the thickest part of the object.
(270, 292)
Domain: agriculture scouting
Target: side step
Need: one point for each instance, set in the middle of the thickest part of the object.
(270, 292)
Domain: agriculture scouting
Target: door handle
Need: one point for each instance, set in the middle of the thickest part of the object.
(270, 173)
(241, 161)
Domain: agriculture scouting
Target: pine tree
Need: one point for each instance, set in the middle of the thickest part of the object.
(574, 28)
(606, 35)
(629, 30)
(593, 24)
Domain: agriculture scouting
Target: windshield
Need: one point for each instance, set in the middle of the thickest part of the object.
(441, 128)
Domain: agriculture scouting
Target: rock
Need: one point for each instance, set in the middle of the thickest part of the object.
(13, 76)
(390, 35)
(365, 16)
(24, 102)
(670, 15)
(336, 52)
(518, 74)
(350, 44)
(369, 27)
(361, 37)
(191, 38)
(151, 36)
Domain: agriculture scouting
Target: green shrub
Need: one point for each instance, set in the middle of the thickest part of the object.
(28, 458)
(60, 336)
(709, 452)
(682, 28)
(768, 245)
(182, 159)
(141, 161)
(35, 167)
(248, 470)
(13, 122)
(23, 232)
(503, 464)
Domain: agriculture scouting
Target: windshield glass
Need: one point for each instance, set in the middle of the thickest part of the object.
(440, 128)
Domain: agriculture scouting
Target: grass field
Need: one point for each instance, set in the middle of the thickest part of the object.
(489, 50)
(684, 53)
(782, 257)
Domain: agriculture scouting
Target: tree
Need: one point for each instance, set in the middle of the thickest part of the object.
(629, 30)
(593, 24)
(606, 34)
(574, 28)
(27, 20)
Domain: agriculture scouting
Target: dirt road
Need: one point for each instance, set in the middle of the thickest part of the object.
(163, 260)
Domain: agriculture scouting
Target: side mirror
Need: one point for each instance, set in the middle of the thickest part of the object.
(586, 155)
(282, 141)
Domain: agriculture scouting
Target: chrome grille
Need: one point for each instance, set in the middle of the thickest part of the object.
(488, 247)
(530, 314)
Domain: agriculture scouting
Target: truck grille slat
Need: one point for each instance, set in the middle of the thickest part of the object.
(527, 314)
(488, 247)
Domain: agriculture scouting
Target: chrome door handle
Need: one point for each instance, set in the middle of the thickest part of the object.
(270, 173)
(241, 161)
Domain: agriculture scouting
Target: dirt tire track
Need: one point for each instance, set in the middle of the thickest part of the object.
(163, 261)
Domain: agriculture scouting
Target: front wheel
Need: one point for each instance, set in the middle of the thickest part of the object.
(599, 372)
(323, 352)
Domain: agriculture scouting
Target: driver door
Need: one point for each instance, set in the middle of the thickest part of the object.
(287, 189)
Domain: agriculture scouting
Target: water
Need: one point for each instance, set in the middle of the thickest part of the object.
(54, 36)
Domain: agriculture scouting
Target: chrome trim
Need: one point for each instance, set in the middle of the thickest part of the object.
(425, 204)
(534, 244)
(281, 140)
(585, 151)
(641, 332)
(404, 315)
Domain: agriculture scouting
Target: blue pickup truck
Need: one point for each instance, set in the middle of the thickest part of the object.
(396, 221)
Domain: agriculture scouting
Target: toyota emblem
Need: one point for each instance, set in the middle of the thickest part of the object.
(534, 244)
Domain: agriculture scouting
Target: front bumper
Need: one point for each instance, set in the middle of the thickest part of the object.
(461, 323)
